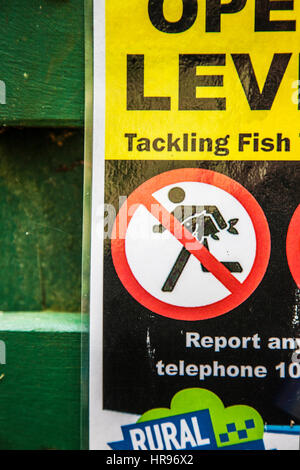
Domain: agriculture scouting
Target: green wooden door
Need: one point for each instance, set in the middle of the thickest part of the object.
(41, 188)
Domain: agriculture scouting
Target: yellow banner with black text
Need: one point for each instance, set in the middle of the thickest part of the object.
(197, 80)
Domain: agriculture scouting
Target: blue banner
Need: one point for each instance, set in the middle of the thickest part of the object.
(189, 431)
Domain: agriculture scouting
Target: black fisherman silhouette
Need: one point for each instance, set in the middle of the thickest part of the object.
(203, 222)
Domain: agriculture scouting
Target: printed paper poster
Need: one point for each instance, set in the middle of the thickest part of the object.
(194, 332)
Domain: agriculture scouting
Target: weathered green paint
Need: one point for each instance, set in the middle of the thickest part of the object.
(41, 188)
(87, 213)
(43, 322)
(42, 62)
(40, 391)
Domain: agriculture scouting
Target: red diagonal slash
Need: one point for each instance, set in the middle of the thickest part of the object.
(190, 243)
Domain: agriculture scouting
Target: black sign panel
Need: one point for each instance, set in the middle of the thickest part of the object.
(247, 355)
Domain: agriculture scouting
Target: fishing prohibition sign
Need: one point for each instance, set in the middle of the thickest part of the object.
(195, 244)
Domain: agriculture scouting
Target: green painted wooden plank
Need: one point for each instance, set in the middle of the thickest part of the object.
(42, 62)
(41, 190)
(43, 322)
(40, 390)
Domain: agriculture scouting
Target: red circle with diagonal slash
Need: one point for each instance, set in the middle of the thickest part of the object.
(240, 291)
(293, 246)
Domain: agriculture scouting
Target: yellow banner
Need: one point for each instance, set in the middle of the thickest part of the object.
(202, 80)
